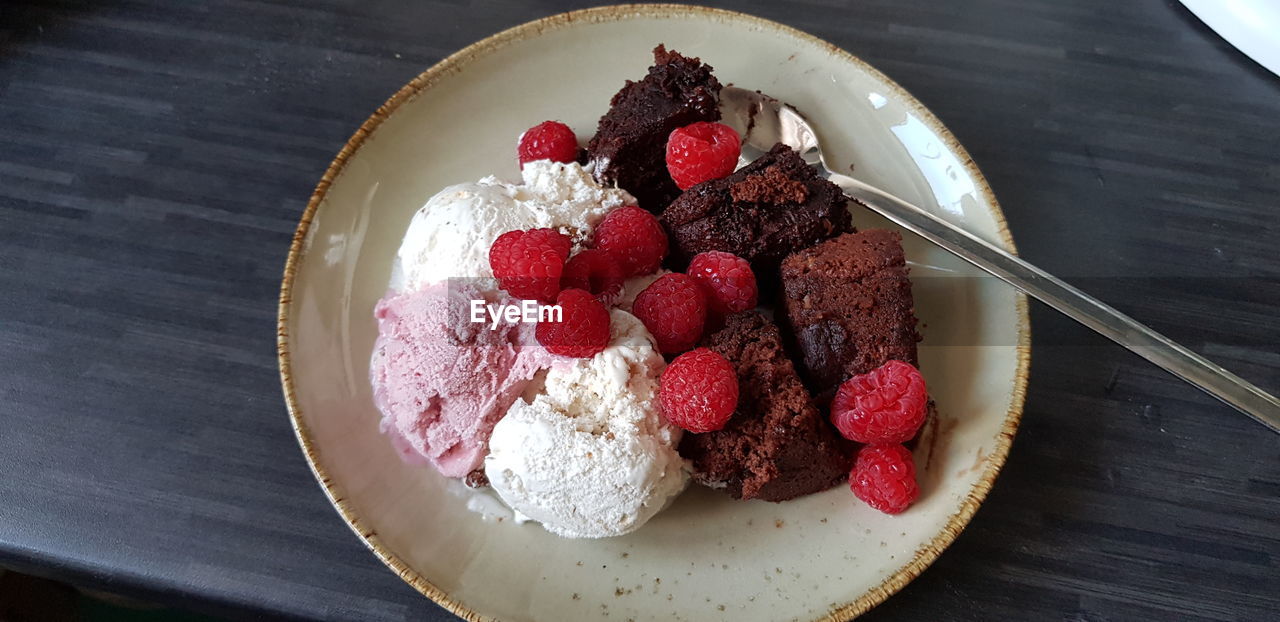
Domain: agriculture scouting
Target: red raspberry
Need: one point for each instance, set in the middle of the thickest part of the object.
(634, 237)
(698, 391)
(726, 279)
(549, 140)
(702, 151)
(561, 242)
(885, 477)
(528, 264)
(583, 329)
(595, 271)
(674, 311)
(885, 405)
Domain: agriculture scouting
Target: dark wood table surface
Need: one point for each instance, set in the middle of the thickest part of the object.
(155, 157)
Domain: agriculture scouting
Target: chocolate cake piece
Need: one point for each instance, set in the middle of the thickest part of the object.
(630, 145)
(761, 212)
(849, 307)
(776, 446)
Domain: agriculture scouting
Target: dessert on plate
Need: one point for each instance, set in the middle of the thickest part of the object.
(586, 341)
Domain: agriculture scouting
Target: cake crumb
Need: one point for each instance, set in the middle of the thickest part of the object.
(576, 596)
(778, 523)
(476, 479)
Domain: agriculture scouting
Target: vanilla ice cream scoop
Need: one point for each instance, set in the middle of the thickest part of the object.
(450, 236)
(590, 456)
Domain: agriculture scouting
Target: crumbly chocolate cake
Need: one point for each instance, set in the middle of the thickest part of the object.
(630, 144)
(849, 306)
(777, 446)
(765, 210)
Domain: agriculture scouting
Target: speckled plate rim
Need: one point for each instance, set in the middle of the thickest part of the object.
(459, 61)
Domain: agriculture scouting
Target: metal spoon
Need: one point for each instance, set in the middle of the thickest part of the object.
(766, 121)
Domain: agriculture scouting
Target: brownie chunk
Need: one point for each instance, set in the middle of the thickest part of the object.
(848, 303)
(776, 446)
(763, 211)
(630, 145)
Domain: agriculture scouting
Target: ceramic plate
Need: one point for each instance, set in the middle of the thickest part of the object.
(1252, 26)
(825, 556)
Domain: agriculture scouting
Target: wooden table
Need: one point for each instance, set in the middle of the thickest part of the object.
(155, 157)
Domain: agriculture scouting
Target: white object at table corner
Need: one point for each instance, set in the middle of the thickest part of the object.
(1252, 26)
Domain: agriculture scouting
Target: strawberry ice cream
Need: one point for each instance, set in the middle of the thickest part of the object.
(442, 381)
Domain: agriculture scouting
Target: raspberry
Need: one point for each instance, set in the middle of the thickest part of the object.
(674, 311)
(885, 477)
(698, 391)
(886, 405)
(528, 264)
(727, 281)
(634, 237)
(556, 239)
(700, 152)
(595, 271)
(583, 329)
(549, 140)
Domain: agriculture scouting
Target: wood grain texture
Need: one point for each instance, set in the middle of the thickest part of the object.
(155, 157)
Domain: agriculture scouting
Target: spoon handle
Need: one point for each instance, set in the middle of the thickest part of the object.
(1124, 330)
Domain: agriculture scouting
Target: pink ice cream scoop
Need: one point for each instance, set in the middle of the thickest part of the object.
(443, 381)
